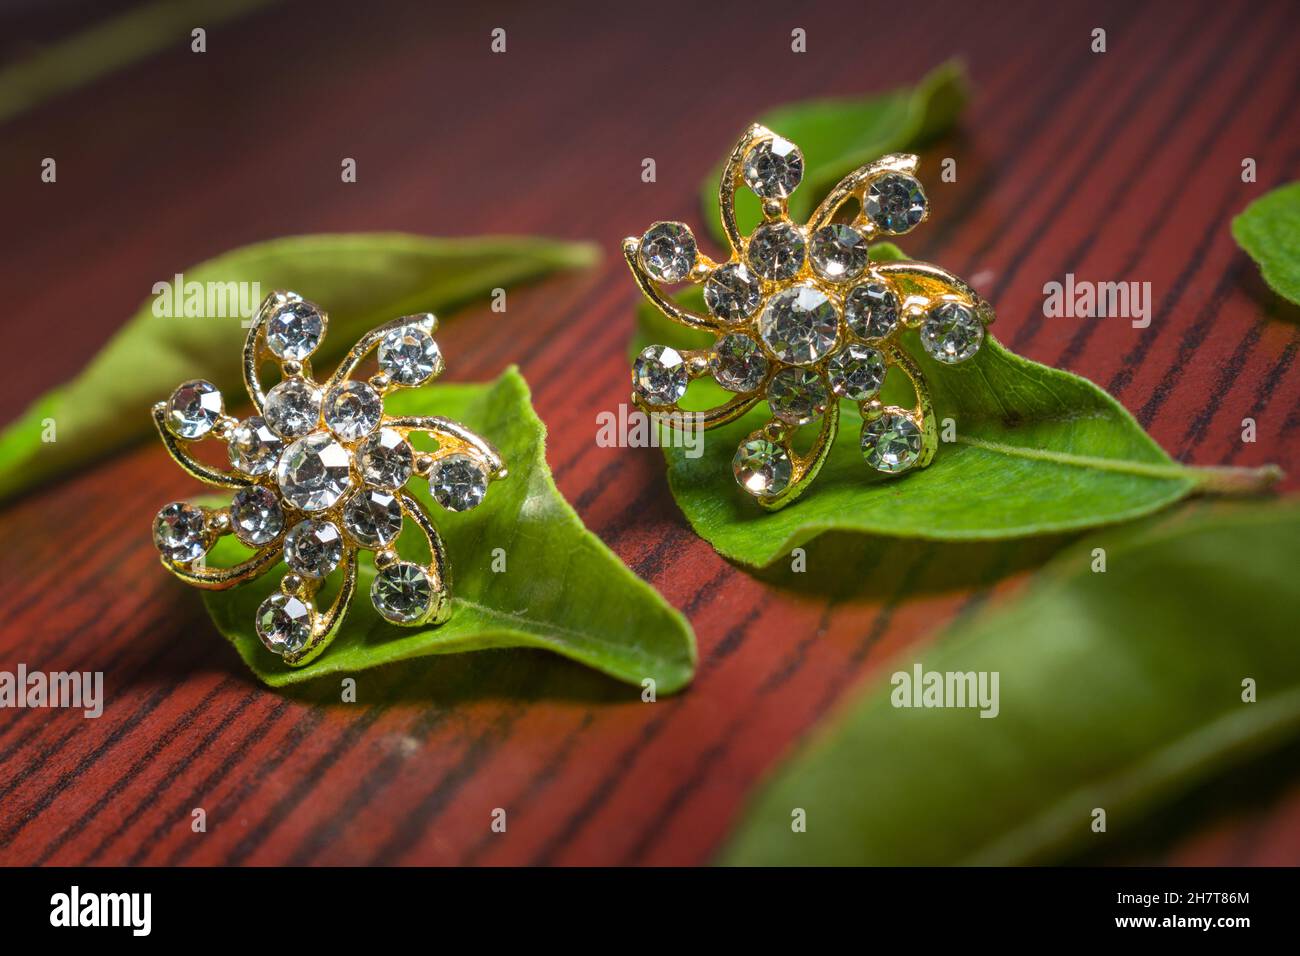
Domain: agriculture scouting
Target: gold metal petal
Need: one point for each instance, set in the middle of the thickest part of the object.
(439, 569)
(665, 305)
(452, 437)
(253, 351)
(221, 579)
(682, 419)
(195, 469)
(920, 285)
(370, 341)
(856, 184)
(697, 366)
(804, 468)
(923, 410)
(732, 177)
(327, 625)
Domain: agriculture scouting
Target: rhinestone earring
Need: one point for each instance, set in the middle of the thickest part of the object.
(803, 318)
(318, 473)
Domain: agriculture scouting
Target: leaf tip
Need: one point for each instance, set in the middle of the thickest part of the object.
(582, 255)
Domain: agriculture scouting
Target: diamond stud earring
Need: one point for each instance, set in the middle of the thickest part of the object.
(803, 318)
(318, 473)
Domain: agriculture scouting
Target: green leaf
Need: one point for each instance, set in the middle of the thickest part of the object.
(1038, 451)
(837, 136)
(360, 279)
(1269, 231)
(1117, 690)
(561, 590)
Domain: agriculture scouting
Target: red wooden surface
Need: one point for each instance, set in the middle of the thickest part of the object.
(1123, 165)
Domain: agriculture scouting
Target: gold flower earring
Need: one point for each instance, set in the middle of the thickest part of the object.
(318, 473)
(803, 318)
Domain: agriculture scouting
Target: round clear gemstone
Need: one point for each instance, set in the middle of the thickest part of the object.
(797, 396)
(402, 592)
(255, 516)
(293, 408)
(776, 250)
(668, 251)
(891, 443)
(951, 333)
(313, 472)
(773, 168)
(838, 252)
(352, 410)
(385, 459)
(732, 292)
(294, 330)
(373, 517)
(410, 355)
(458, 482)
(856, 372)
(179, 532)
(660, 375)
(762, 467)
(253, 447)
(313, 548)
(738, 363)
(799, 325)
(284, 623)
(871, 311)
(193, 409)
(895, 203)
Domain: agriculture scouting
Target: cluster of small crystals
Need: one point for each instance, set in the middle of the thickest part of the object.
(315, 449)
(806, 342)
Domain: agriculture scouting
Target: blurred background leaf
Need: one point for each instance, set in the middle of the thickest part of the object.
(111, 44)
(359, 279)
(1117, 690)
(1269, 230)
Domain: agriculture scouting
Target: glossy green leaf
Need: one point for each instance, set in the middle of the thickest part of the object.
(839, 135)
(1116, 690)
(562, 590)
(1269, 230)
(361, 279)
(1038, 451)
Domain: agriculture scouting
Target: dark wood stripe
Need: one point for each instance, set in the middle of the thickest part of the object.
(431, 807)
(1035, 123)
(177, 730)
(1263, 395)
(1083, 166)
(710, 757)
(50, 751)
(124, 628)
(537, 785)
(563, 836)
(156, 795)
(1195, 336)
(1143, 247)
(1191, 91)
(305, 784)
(375, 781)
(66, 779)
(237, 801)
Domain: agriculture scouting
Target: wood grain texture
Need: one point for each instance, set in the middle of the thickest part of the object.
(1116, 166)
